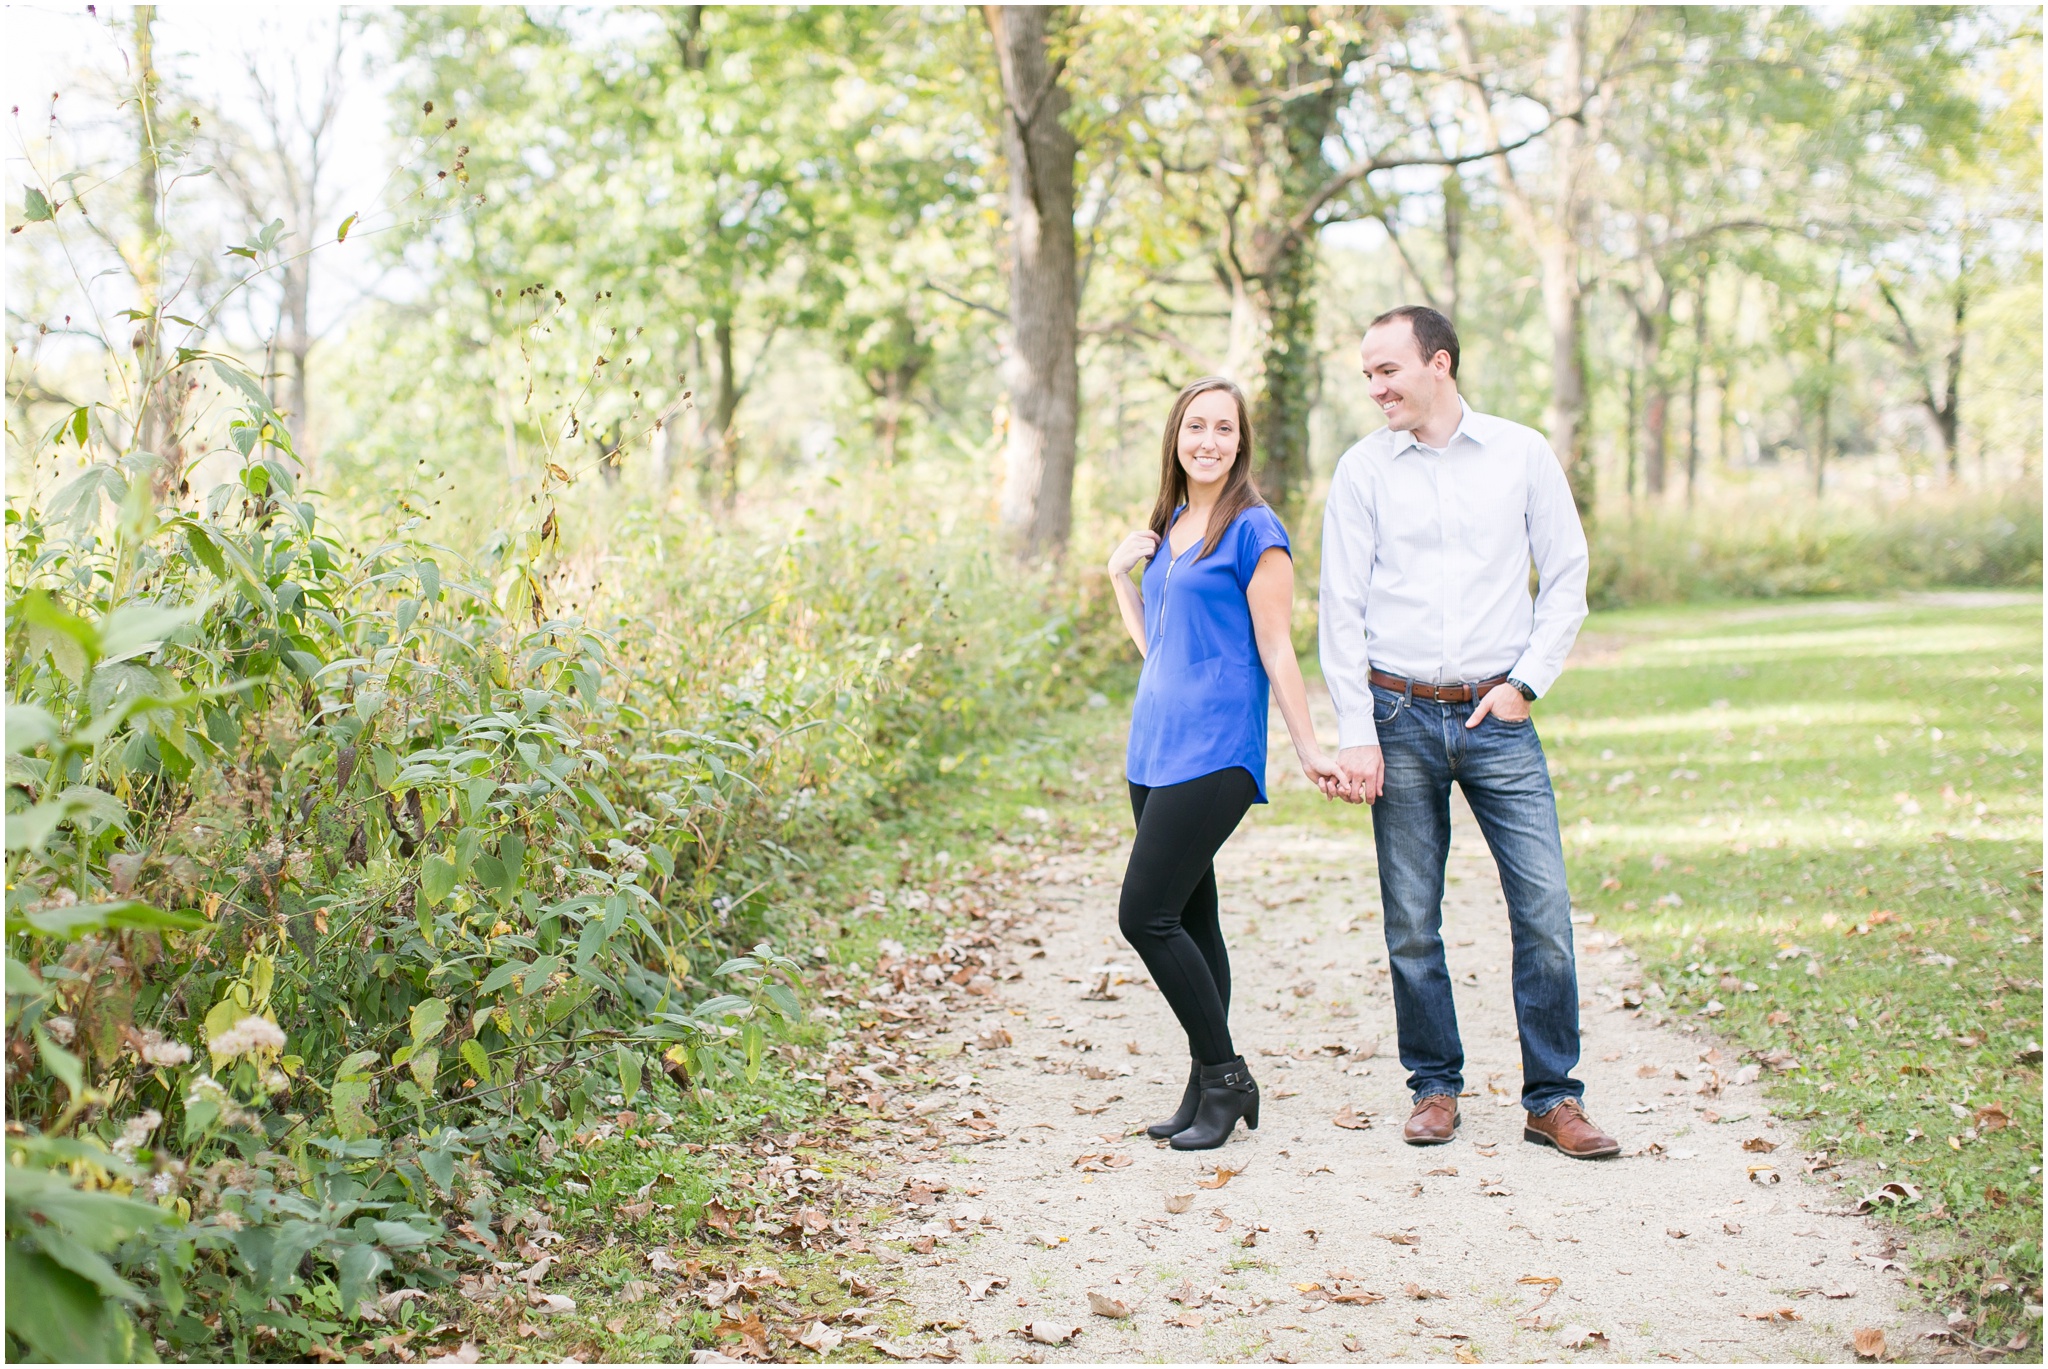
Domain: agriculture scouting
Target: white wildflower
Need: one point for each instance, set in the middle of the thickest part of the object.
(161, 1185)
(275, 1082)
(250, 1036)
(160, 1051)
(136, 1132)
(204, 1088)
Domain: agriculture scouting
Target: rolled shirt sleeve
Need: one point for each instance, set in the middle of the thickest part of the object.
(1349, 535)
(1557, 548)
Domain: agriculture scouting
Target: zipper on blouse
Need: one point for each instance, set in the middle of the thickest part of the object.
(1164, 586)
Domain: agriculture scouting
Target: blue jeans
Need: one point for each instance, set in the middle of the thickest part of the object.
(1500, 766)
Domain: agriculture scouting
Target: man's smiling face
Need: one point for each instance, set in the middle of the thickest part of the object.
(1407, 389)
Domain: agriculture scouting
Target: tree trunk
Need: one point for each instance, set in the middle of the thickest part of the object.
(1564, 311)
(1454, 238)
(718, 480)
(1656, 425)
(155, 420)
(1948, 418)
(1650, 340)
(1554, 235)
(297, 344)
(1041, 372)
(1633, 443)
(1692, 401)
(1826, 436)
(1288, 375)
(1827, 382)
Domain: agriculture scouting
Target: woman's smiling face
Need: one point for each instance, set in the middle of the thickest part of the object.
(1208, 438)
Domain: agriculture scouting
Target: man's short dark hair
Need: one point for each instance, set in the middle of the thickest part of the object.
(1433, 332)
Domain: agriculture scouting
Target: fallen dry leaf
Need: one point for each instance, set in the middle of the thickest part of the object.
(1774, 1314)
(1869, 1343)
(1674, 1233)
(1050, 1333)
(634, 1290)
(1897, 1192)
(1464, 1355)
(820, 1338)
(465, 1353)
(1399, 1237)
(1419, 1293)
(1991, 1117)
(1359, 1298)
(1350, 1119)
(1451, 1170)
(978, 1289)
(1731, 1228)
(1108, 1307)
(1221, 1177)
(1581, 1338)
(1757, 1145)
(1187, 1319)
(552, 1303)
(1178, 1202)
(896, 1349)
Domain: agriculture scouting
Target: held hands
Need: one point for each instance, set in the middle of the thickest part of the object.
(1323, 773)
(1503, 701)
(1362, 773)
(1130, 551)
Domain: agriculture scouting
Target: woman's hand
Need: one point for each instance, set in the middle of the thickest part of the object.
(1132, 550)
(1323, 773)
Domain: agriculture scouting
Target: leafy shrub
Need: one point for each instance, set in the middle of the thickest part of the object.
(1744, 550)
(330, 872)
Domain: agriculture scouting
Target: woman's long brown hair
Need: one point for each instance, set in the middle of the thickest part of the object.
(1240, 492)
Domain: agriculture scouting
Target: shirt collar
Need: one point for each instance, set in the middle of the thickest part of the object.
(1472, 426)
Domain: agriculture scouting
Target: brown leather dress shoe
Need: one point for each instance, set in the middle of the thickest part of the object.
(1432, 1123)
(1567, 1127)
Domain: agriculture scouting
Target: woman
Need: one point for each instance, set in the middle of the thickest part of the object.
(1212, 624)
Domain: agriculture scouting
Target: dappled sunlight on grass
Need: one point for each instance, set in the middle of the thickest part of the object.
(1722, 716)
(1837, 862)
(1921, 639)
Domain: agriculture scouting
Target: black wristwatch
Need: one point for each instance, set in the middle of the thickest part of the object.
(1525, 691)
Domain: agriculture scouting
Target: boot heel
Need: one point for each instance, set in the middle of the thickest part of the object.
(1228, 1093)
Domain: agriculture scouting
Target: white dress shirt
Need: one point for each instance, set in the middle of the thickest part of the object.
(1426, 558)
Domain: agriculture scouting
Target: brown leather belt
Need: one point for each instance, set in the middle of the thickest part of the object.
(1443, 694)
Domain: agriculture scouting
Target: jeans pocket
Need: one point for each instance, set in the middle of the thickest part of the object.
(1386, 705)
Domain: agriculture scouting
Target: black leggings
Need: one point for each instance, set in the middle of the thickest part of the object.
(1168, 911)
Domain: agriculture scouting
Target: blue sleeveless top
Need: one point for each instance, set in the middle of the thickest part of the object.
(1201, 704)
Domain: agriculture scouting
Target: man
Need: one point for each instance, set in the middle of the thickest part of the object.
(1433, 650)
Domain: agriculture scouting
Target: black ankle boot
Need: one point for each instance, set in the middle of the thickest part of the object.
(1184, 1115)
(1228, 1093)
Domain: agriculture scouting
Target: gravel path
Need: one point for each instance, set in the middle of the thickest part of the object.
(1332, 1240)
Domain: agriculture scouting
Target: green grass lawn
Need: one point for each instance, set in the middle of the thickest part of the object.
(1819, 824)
(1840, 805)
